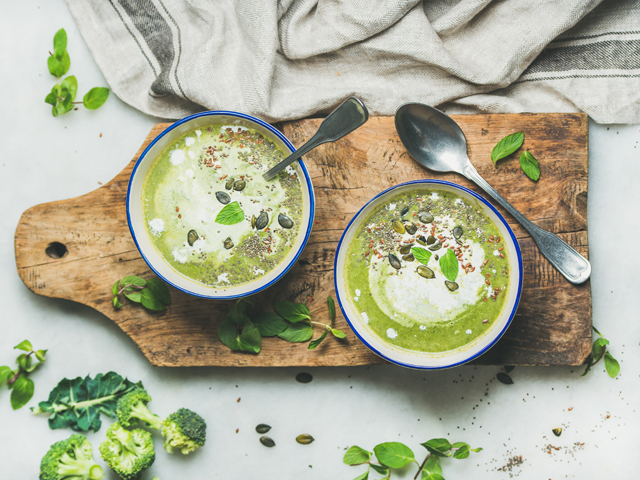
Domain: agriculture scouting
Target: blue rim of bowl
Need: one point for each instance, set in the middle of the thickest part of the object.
(515, 306)
(275, 132)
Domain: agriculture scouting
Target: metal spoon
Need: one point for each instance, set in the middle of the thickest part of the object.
(437, 142)
(350, 115)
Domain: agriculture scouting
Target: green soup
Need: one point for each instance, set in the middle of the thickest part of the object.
(410, 304)
(204, 171)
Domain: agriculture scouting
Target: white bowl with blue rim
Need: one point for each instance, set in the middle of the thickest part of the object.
(141, 237)
(421, 360)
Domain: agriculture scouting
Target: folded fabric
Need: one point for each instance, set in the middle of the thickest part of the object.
(296, 58)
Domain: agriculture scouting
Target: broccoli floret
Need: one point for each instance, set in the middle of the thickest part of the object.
(184, 430)
(133, 407)
(70, 459)
(126, 452)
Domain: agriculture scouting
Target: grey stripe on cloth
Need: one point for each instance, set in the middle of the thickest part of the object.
(295, 58)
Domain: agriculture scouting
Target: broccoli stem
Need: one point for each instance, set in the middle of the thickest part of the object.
(72, 467)
(142, 412)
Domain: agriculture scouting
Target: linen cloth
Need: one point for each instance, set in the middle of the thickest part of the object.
(296, 58)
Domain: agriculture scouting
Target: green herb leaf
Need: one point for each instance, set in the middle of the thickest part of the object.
(116, 302)
(59, 42)
(297, 332)
(230, 214)
(459, 444)
(64, 105)
(160, 290)
(22, 392)
(462, 452)
(314, 343)
(356, 455)
(24, 345)
(432, 465)
(381, 469)
(529, 165)
(332, 309)
(394, 454)
(431, 476)
(135, 296)
(22, 360)
(479, 449)
(507, 146)
(338, 333)
(5, 374)
(150, 301)
(115, 288)
(449, 265)
(269, 324)
(55, 67)
(250, 340)
(364, 476)
(95, 97)
(133, 280)
(71, 85)
(78, 403)
(438, 446)
(421, 254)
(51, 99)
(228, 333)
(238, 313)
(293, 312)
(40, 355)
(611, 365)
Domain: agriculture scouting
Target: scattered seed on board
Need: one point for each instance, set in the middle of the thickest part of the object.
(267, 441)
(304, 377)
(304, 439)
(192, 237)
(557, 431)
(263, 428)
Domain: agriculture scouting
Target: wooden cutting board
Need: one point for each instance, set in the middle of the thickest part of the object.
(553, 322)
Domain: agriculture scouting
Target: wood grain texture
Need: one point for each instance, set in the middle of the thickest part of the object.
(553, 322)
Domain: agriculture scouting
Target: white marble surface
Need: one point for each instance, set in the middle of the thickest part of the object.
(45, 158)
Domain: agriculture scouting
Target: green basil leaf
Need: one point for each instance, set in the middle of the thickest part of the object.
(150, 301)
(24, 345)
(116, 302)
(462, 452)
(438, 446)
(22, 392)
(356, 455)
(364, 476)
(55, 67)
(160, 290)
(78, 403)
(250, 340)
(297, 332)
(394, 454)
(95, 97)
(432, 465)
(133, 280)
(338, 333)
(71, 84)
(268, 324)
(228, 333)
(23, 361)
(135, 296)
(230, 214)
(421, 254)
(51, 99)
(314, 343)
(449, 265)
(238, 313)
(65, 63)
(381, 469)
(59, 42)
(507, 146)
(611, 365)
(529, 165)
(40, 355)
(115, 288)
(459, 445)
(332, 309)
(5, 374)
(601, 341)
(293, 312)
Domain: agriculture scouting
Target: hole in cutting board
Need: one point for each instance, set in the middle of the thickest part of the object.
(56, 250)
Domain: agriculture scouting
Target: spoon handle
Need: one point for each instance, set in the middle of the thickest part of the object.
(569, 263)
(350, 115)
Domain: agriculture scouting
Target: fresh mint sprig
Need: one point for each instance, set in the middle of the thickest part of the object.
(395, 455)
(63, 94)
(600, 351)
(507, 146)
(153, 294)
(18, 380)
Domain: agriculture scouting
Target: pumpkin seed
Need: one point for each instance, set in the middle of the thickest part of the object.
(263, 428)
(425, 272)
(435, 247)
(431, 240)
(509, 368)
(421, 240)
(395, 263)
(304, 377)
(223, 197)
(410, 228)
(253, 221)
(457, 232)
(405, 249)
(239, 185)
(398, 227)
(262, 221)
(557, 431)
(409, 257)
(229, 183)
(404, 211)
(267, 441)
(228, 243)
(304, 439)
(284, 221)
(504, 378)
(425, 217)
(453, 286)
(192, 237)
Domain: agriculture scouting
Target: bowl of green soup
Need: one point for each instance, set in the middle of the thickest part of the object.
(202, 216)
(428, 274)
